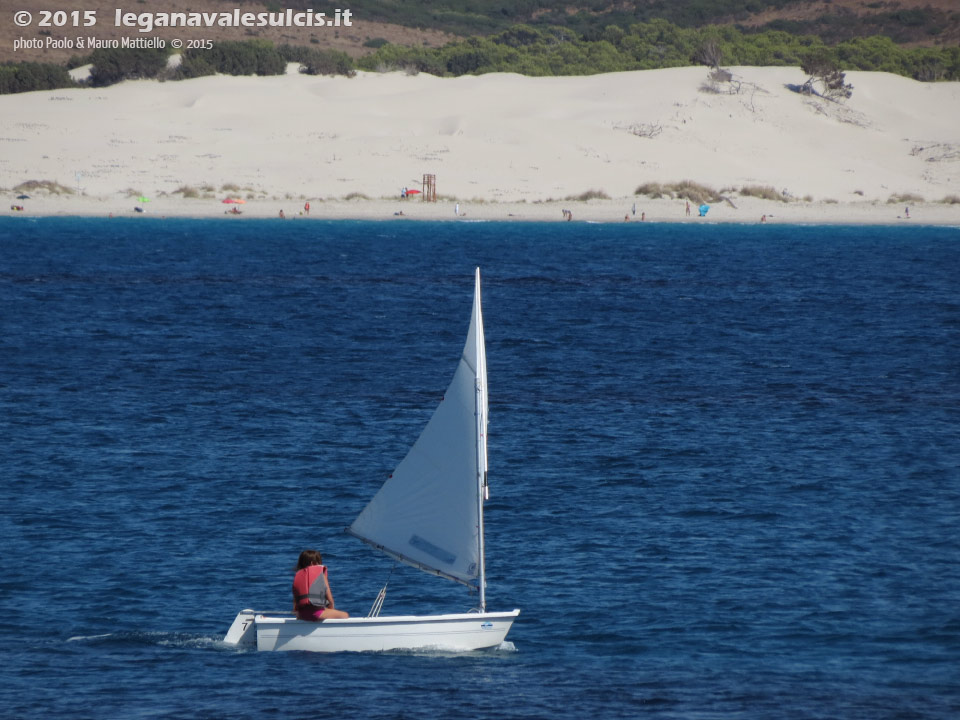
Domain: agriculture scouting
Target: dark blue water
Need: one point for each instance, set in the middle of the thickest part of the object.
(725, 465)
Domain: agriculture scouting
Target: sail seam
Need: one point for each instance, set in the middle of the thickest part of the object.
(408, 561)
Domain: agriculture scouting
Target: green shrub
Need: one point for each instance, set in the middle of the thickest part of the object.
(588, 195)
(29, 76)
(187, 191)
(764, 192)
(111, 65)
(695, 192)
(651, 190)
(905, 198)
(319, 62)
(253, 57)
(684, 190)
(47, 186)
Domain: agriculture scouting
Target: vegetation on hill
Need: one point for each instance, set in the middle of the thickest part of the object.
(314, 61)
(904, 22)
(110, 66)
(255, 57)
(558, 51)
(27, 76)
(523, 49)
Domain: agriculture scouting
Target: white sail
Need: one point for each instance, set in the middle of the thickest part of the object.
(429, 514)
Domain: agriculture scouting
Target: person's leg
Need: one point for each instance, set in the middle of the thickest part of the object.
(333, 613)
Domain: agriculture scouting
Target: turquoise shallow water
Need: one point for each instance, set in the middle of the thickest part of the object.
(725, 464)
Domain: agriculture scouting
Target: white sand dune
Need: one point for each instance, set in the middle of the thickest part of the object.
(500, 145)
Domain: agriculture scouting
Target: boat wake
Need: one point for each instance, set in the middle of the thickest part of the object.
(158, 639)
(447, 651)
(87, 638)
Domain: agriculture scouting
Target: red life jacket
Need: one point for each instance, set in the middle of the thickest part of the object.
(310, 586)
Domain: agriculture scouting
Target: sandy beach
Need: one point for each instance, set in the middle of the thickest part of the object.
(500, 146)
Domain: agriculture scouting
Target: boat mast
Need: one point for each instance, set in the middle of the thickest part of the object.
(480, 372)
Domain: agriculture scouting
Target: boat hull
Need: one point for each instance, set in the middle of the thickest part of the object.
(456, 633)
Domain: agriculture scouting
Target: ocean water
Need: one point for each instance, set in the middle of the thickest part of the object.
(725, 464)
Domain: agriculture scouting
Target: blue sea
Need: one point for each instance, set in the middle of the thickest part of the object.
(724, 464)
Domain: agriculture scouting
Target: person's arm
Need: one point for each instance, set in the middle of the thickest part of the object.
(329, 594)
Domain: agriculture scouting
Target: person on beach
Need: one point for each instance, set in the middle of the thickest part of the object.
(306, 207)
(282, 216)
(688, 208)
(312, 598)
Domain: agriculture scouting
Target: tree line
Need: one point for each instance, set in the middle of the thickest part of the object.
(523, 49)
(658, 44)
(834, 22)
(112, 65)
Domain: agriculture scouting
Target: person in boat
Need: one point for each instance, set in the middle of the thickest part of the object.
(312, 599)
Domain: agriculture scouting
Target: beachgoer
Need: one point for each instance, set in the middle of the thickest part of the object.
(282, 216)
(306, 207)
(626, 218)
(688, 207)
(907, 212)
(312, 599)
(634, 209)
(643, 217)
(403, 193)
(763, 219)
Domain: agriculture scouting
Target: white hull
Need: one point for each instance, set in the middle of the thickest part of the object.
(458, 633)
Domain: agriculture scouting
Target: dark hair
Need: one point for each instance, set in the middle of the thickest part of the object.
(308, 558)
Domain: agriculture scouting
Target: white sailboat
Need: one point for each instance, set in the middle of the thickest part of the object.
(429, 514)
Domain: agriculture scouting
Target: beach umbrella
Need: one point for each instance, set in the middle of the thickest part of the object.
(143, 199)
(23, 197)
(228, 201)
(704, 209)
(413, 192)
